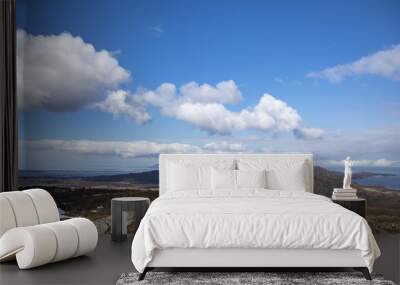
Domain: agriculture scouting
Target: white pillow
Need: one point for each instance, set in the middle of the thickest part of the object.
(181, 177)
(183, 174)
(223, 179)
(251, 178)
(292, 177)
(282, 174)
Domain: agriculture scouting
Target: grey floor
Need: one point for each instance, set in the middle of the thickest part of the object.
(389, 262)
(103, 266)
(110, 260)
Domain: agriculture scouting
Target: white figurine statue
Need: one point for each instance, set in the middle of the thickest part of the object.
(347, 173)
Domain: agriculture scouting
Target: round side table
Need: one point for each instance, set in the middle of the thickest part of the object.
(119, 214)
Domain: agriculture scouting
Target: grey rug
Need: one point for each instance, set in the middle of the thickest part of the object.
(228, 278)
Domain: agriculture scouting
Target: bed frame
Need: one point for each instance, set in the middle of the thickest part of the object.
(242, 259)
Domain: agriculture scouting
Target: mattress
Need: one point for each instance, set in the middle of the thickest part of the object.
(250, 219)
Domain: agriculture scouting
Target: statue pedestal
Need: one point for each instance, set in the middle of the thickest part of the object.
(344, 194)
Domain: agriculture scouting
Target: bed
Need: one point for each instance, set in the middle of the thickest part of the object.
(245, 211)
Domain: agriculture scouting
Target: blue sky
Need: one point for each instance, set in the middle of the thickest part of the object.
(275, 47)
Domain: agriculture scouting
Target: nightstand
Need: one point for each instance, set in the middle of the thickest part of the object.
(358, 206)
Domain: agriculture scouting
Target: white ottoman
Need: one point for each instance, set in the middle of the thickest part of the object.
(33, 243)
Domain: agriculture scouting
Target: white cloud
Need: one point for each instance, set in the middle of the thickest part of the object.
(223, 92)
(370, 144)
(117, 148)
(157, 30)
(382, 162)
(129, 149)
(63, 73)
(370, 147)
(270, 114)
(164, 97)
(385, 162)
(308, 133)
(224, 146)
(121, 102)
(167, 97)
(201, 105)
(279, 80)
(384, 63)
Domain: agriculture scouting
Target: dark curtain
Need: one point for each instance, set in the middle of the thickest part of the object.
(8, 98)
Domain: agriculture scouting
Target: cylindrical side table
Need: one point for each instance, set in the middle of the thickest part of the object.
(119, 214)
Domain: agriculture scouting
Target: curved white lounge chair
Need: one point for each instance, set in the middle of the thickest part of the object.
(31, 230)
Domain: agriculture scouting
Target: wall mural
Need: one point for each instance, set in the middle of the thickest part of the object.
(105, 86)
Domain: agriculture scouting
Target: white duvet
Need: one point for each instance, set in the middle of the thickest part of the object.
(250, 219)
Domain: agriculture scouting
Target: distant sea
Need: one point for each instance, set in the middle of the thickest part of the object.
(392, 182)
(76, 173)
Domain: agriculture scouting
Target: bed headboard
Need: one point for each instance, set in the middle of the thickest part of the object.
(210, 158)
